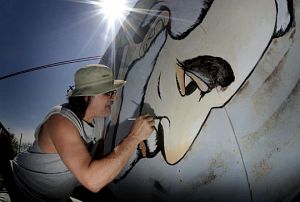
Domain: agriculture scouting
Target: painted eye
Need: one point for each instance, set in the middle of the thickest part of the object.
(191, 87)
(204, 72)
(188, 83)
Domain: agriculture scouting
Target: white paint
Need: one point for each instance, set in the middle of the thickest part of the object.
(245, 151)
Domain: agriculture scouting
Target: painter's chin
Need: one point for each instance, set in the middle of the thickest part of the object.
(108, 109)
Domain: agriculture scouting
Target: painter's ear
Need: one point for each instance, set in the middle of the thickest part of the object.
(285, 17)
(88, 99)
(159, 23)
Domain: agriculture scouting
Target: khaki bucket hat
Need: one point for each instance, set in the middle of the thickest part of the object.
(94, 79)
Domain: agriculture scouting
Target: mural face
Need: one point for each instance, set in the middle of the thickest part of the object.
(190, 59)
(217, 36)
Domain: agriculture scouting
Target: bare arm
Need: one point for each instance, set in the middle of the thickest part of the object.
(94, 174)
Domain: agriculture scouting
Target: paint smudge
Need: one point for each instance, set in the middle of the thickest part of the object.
(216, 169)
(159, 187)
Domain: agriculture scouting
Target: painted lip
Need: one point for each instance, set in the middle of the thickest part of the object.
(160, 131)
(155, 144)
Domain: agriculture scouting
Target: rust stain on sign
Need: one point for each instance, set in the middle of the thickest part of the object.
(261, 168)
(216, 169)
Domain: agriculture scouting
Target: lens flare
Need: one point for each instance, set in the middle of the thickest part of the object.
(114, 10)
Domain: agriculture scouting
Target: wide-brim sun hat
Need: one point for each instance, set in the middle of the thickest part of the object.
(94, 79)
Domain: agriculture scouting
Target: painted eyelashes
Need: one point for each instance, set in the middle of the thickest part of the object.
(204, 73)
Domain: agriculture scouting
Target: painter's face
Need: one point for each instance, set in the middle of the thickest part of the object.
(240, 41)
(101, 104)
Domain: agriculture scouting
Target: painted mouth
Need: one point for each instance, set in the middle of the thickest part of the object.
(155, 142)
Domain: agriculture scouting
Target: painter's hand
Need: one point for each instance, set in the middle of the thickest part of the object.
(142, 127)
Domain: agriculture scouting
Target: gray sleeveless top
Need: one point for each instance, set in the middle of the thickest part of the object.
(43, 176)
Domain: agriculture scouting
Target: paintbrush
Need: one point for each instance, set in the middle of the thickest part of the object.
(133, 119)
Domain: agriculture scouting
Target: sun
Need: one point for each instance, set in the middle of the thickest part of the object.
(113, 10)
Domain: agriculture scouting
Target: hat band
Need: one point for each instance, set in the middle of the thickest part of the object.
(94, 83)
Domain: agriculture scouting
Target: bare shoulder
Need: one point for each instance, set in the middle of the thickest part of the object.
(60, 134)
(59, 122)
(58, 127)
(53, 131)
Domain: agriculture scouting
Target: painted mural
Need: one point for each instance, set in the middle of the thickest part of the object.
(197, 66)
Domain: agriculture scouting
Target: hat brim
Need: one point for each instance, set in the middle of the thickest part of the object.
(95, 90)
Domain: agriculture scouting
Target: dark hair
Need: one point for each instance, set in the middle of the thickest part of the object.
(214, 71)
(78, 104)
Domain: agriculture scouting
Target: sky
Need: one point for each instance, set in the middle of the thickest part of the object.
(40, 32)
